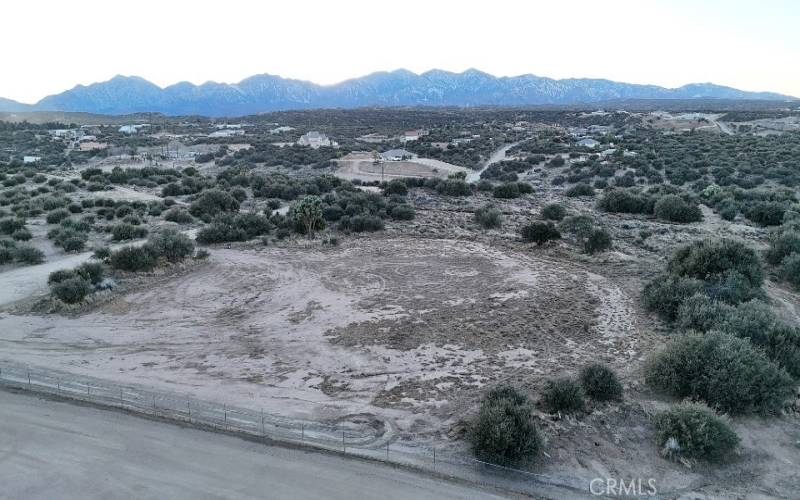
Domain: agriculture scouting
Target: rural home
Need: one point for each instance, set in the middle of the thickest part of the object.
(397, 155)
(588, 143)
(315, 140)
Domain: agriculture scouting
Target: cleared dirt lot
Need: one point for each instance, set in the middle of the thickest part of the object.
(406, 328)
(361, 166)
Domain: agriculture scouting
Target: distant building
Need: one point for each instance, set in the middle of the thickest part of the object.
(280, 130)
(227, 132)
(315, 140)
(92, 145)
(128, 129)
(397, 155)
(588, 143)
(31, 159)
(374, 137)
(460, 140)
(413, 135)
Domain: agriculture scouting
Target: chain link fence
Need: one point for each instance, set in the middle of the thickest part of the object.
(349, 438)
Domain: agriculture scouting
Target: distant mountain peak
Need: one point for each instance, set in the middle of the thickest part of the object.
(400, 87)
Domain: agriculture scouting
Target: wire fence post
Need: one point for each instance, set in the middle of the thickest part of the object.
(88, 389)
(387, 451)
(121, 397)
(58, 385)
(225, 408)
(344, 447)
(29, 378)
(303, 431)
(189, 409)
(434, 457)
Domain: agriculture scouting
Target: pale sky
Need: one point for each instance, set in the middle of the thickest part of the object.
(50, 46)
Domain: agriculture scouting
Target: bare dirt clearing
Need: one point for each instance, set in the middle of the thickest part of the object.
(409, 328)
(362, 166)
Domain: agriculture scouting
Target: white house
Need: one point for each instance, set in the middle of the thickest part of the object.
(227, 132)
(588, 143)
(280, 130)
(413, 135)
(128, 129)
(315, 140)
(31, 159)
(397, 155)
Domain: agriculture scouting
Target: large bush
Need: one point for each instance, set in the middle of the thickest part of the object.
(624, 201)
(28, 255)
(488, 217)
(171, 245)
(307, 215)
(599, 240)
(71, 290)
(133, 259)
(697, 431)
(580, 189)
(600, 382)
(554, 211)
(504, 432)
(212, 202)
(563, 395)
(665, 294)
(726, 372)
(781, 245)
(673, 208)
(539, 232)
(705, 258)
(124, 231)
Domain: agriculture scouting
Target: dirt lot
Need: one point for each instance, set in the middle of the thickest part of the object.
(361, 166)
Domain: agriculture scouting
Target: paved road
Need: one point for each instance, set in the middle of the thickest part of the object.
(50, 449)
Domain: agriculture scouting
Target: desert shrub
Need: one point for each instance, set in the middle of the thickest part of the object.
(488, 217)
(697, 430)
(201, 254)
(579, 225)
(725, 371)
(125, 231)
(211, 203)
(395, 186)
(361, 223)
(102, 253)
(599, 382)
(598, 241)
(6, 255)
(790, 269)
(306, 215)
(453, 187)
(10, 224)
(73, 242)
(703, 259)
(507, 190)
(60, 275)
(57, 216)
(699, 312)
(28, 255)
(75, 208)
(504, 432)
(178, 215)
(563, 395)
(623, 201)
(94, 272)
(673, 208)
(580, 189)
(170, 244)
(732, 287)
(539, 232)
(22, 235)
(133, 259)
(402, 212)
(781, 245)
(554, 211)
(666, 293)
(766, 213)
(71, 290)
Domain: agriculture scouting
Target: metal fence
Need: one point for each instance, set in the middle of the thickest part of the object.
(349, 438)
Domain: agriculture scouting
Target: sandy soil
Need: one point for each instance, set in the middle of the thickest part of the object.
(362, 167)
(409, 328)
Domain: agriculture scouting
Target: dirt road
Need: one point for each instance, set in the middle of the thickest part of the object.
(50, 449)
(496, 156)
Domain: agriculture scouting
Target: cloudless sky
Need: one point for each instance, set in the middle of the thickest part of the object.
(48, 46)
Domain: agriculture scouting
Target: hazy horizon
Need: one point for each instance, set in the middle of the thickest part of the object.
(665, 43)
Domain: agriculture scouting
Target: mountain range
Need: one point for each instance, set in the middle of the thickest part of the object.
(263, 93)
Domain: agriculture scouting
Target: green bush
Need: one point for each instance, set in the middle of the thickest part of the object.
(395, 186)
(6, 255)
(697, 430)
(781, 245)
(10, 224)
(102, 253)
(133, 259)
(508, 190)
(71, 290)
(598, 241)
(732, 287)
(28, 255)
(673, 208)
(539, 232)
(57, 216)
(402, 212)
(554, 211)
(504, 432)
(623, 201)
(666, 293)
(699, 312)
(213, 202)
(170, 244)
(124, 231)
(790, 269)
(726, 372)
(580, 189)
(94, 272)
(60, 275)
(178, 215)
(579, 225)
(599, 382)
(22, 235)
(563, 395)
(704, 258)
(488, 217)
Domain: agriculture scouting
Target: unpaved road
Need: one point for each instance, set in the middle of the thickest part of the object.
(51, 449)
(497, 155)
